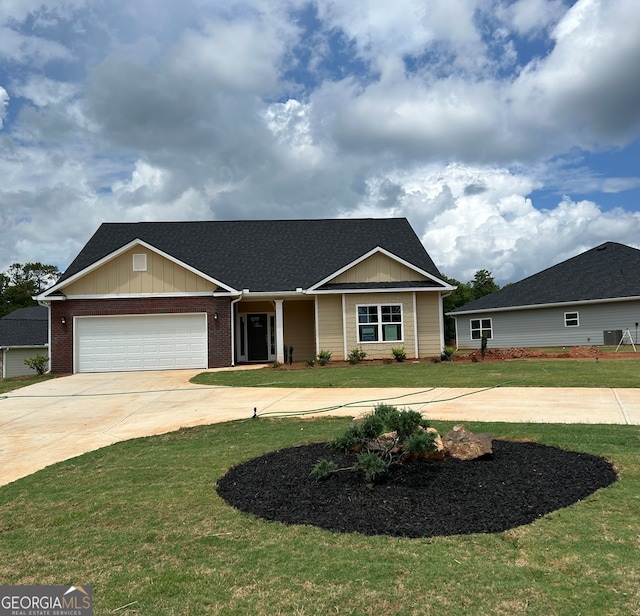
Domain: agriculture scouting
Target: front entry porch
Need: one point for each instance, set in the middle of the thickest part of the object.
(263, 329)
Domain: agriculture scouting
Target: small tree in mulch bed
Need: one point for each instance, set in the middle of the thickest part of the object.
(385, 438)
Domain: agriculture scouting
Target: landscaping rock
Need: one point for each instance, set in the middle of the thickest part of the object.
(461, 444)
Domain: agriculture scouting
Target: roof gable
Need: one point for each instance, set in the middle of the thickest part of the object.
(263, 255)
(606, 272)
(377, 269)
(114, 274)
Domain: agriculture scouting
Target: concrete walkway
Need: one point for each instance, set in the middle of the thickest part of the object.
(65, 417)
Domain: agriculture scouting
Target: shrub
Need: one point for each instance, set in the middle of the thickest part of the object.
(447, 353)
(399, 353)
(37, 363)
(323, 468)
(420, 442)
(372, 466)
(324, 357)
(310, 361)
(378, 450)
(276, 364)
(356, 356)
(483, 345)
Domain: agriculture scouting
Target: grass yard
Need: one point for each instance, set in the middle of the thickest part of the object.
(16, 382)
(521, 373)
(142, 523)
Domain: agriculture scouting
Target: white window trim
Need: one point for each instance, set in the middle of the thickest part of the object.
(380, 324)
(140, 262)
(575, 318)
(482, 329)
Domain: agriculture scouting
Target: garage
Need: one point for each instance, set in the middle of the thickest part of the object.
(140, 342)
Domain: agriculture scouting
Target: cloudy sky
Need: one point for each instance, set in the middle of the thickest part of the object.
(508, 133)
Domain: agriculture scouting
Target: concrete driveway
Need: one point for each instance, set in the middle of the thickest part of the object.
(65, 417)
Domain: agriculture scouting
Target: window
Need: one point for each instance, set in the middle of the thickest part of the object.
(140, 263)
(571, 319)
(481, 327)
(380, 323)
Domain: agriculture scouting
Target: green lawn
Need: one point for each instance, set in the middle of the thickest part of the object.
(16, 382)
(531, 373)
(141, 522)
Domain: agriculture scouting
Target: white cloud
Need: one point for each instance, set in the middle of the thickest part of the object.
(4, 105)
(166, 109)
(532, 16)
(587, 88)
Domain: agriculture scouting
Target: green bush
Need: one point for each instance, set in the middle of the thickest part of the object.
(372, 466)
(377, 450)
(483, 345)
(447, 353)
(37, 363)
(324, 357)
(399, 353)
(356, 356)
(310, 361)
(323, 468)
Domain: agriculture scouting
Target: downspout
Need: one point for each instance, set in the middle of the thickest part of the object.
(233, 330)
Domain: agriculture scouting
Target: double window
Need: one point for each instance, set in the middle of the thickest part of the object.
(380, 323)
(480, 328)
(571, 319)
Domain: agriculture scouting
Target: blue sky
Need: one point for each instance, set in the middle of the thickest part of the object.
(508, 133)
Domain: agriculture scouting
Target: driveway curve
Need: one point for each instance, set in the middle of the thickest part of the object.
(62, 418)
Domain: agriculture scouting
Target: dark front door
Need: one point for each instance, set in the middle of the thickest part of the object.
(257, 337)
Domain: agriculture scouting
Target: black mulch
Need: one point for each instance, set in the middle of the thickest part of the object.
(520, 483)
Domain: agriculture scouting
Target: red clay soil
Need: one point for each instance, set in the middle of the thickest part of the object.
(520, 483)
(578, 352)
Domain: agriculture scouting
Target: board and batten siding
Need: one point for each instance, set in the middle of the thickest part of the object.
(299, 330)
(429, 309)
(330, 334)
(381, 350)
(379, 268)
(541, 327)
(117, 277)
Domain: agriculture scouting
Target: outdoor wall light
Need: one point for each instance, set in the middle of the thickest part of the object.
(215, 316)
(63, 321)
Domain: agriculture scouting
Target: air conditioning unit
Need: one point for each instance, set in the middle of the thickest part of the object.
(612, 337)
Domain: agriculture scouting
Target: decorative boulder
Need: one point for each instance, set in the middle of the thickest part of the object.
(464, 445)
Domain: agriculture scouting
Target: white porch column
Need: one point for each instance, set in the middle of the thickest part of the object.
(279, 331)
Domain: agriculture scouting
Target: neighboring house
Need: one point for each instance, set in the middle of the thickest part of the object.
(590, 299)
(166, 295)
(23, 335)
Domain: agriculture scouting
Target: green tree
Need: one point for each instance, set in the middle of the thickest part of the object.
(21, 282)
(483, 284)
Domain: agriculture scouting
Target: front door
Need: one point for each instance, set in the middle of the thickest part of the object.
(257, 337)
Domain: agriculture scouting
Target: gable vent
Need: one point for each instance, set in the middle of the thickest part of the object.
(140, 263)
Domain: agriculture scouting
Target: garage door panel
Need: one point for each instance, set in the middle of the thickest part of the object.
(150, 342)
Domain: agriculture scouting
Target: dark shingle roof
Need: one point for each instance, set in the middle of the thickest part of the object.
(263, 255)
(31, 313)
(23, 332)
(608, 271)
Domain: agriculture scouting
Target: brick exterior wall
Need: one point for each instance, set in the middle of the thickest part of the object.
(219, 330)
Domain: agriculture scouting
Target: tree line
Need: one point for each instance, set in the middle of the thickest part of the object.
(21, 282)
(482, 284)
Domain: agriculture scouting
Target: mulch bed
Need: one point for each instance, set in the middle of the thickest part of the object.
(520, 483)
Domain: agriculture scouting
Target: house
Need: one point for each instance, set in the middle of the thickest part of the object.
(23, 335)
(590, 299)
(167, 295)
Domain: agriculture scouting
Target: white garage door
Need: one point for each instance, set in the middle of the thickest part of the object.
(155, 342)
